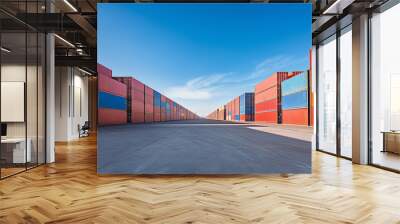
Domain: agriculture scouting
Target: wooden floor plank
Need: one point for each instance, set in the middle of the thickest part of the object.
(70, 191)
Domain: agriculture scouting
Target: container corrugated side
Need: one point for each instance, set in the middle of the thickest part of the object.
(269, 105)
(295, 84)
(268, 117)
(107, 100)
(295, 100)
(295, 116)
(103, 70)
(109, 85)
(108, 116)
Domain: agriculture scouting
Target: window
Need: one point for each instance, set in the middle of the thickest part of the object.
(385, 88)
(346, 92)
(327, 95)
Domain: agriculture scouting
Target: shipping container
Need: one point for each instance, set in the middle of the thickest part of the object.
(246, 117)
(237, 108)
(108, 116)
(295, 100)
(295, 84)
(295, 116)
(138, 117)
(221, 113)
(263, 94)
(127, 81)
(247, 106)
(135, 96)
(140, 103)
(269, 105)
(266, 94)
(268, 117)
(271, 81)
(103, 70)
(109, 85)
(149, 105)
(107, 100)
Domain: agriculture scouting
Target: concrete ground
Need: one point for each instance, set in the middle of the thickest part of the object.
(199, 147)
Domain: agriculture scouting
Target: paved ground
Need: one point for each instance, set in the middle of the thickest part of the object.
(198, 147)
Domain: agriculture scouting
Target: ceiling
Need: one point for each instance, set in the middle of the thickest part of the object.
(75, 21)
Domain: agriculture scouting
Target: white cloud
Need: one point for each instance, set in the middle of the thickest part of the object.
(200, 88)
(275, 64)
(204, 94)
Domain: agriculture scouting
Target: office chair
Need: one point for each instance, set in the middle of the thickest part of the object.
(84, 130)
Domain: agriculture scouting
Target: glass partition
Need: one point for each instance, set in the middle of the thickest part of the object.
(327, 95)
(14, 153)
(22, 77)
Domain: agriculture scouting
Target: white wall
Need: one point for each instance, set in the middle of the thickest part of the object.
(71, 93)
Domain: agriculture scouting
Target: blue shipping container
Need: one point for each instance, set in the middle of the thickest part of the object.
(295, 84)
(246, 102)
(295, 100)
(167, 107)
(156, 99)
(107, 100)
(237, 117)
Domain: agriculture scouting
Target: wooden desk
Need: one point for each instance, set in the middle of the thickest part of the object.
(391, 141)
(19, 154)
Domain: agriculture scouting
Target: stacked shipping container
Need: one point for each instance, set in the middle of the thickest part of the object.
(295, 101)
(125, 99)
(157, 106)
(148, 105)
(112, 98)
(267, 98)
(281, 98)
(247, 107)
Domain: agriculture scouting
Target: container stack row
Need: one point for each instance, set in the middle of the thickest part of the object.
(127, 100)
(241, 108)
(282, 98)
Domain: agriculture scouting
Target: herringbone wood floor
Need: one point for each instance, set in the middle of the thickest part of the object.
(69, 191)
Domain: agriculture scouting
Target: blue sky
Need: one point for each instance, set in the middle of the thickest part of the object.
(203, 55)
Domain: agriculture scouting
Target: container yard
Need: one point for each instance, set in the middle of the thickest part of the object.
(127, 100)
(281, 98)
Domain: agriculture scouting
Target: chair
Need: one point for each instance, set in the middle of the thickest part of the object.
(84, 130)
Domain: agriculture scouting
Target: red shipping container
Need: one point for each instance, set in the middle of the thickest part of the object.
(266, 94)
(268, 117)
(136, 84)
(137, 117)
(311, 109)
(237, 106)
(108, 116)
(272, 80)
(138, 95)
(149, 117)
(157, 116)
(103, 70)
(246, 117)
(148, 108)
(269, 105)
(162, 116)
(295, 116)
(292, 74)
(109, 85)
(137, 106)
(149, 91)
